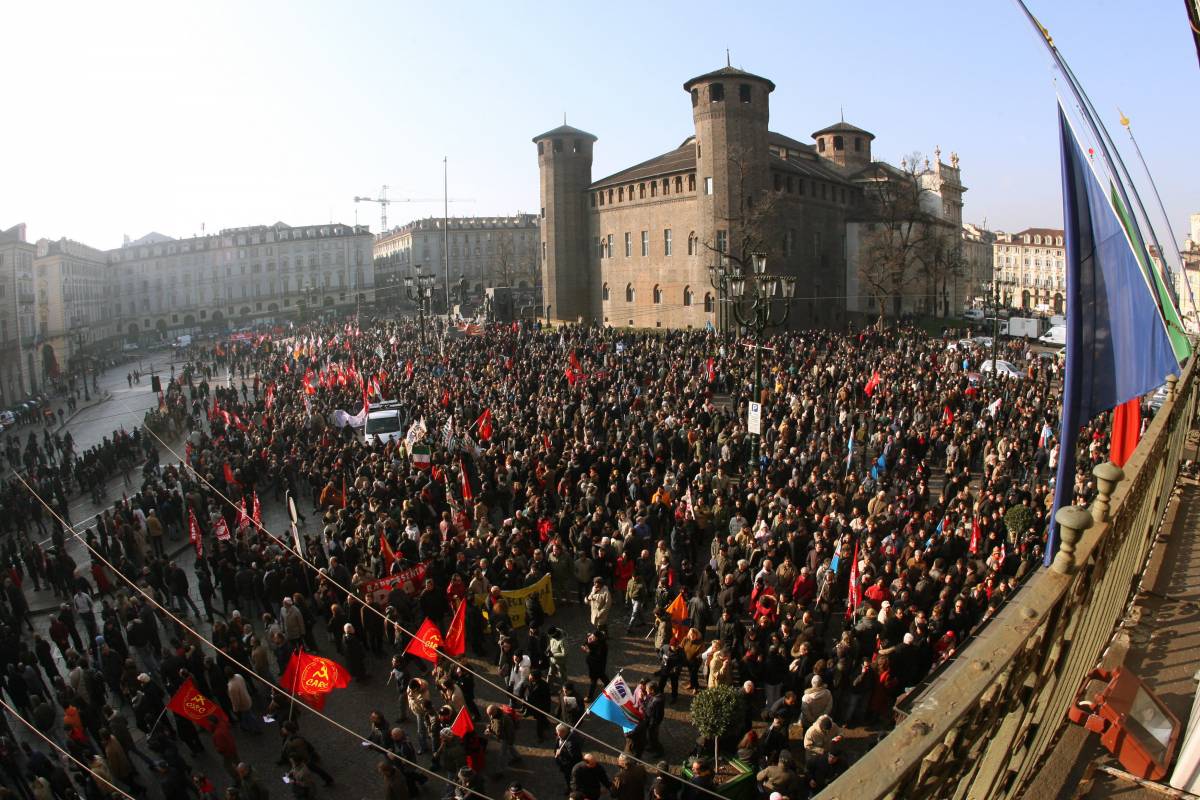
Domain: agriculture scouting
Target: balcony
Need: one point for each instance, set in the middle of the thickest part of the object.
(984, 725)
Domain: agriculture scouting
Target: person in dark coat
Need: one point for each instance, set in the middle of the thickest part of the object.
(589, 777)
(596, 649)
(356, 653)
(567, 752)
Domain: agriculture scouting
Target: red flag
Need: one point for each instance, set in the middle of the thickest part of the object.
(270, 398)
(408, 370)
(229, 479)
(221, 530)
(677, 613)
(976, 536)
(484, 423)
(307, 381)
(947, 415)
(188, 703)
(345, 497)
(256, 509)
(312, 677)
(712, 372)
(572, 376)
(426, 643)
(215, 409)
(445, 398)
(854, 597)
(573, 360)
(872, 384)
(456, 634)
(243, 520)
(462, 723)
(467, 494)
(1126, 431)
(194, 532)
(385, 550)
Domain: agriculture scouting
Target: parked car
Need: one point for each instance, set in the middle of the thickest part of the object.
(1001, 367)
(1055, 337)
(973, 315)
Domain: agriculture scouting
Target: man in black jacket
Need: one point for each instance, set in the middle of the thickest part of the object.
(567, 753)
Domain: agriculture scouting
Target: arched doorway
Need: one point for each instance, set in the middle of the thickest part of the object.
(133, 329)
(1058, 303)
(218, 317)
(1025, 299)
(189, 320)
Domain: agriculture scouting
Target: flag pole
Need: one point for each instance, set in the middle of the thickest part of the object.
(587, 709)
(161, 714)
(295, 680)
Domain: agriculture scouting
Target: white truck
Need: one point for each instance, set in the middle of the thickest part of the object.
(1027, 327)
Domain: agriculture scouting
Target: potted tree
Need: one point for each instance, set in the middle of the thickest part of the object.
(715, 710)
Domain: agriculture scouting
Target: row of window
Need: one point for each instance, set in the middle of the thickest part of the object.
(603, 245)
(716, 93)
(790, 184)
(657, 296)
(621, 194)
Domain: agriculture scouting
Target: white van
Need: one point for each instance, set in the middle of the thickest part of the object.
(184, 341)
(973, 315)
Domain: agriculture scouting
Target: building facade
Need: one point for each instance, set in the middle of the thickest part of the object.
(1030, 269)
(240, 275)
(634, 248)
(978, 250)
(74, 296)
(1187, 282)
(485, 252)
(17, 317)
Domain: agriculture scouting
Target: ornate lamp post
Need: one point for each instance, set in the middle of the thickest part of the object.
(420, 291)
(758, 301)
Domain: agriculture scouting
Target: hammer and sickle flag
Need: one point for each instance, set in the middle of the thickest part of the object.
(187, 702)
(312, 677)
(426, 643)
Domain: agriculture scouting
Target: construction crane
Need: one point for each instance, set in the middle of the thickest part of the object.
(384, 201)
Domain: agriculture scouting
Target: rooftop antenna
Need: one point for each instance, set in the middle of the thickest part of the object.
(564, 118)
(727, 57)
(842, 113)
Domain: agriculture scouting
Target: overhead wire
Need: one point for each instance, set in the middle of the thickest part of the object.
(60, 749)
(462, 664)
(241, 666)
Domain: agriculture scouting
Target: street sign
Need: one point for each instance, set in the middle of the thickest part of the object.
(754, 418)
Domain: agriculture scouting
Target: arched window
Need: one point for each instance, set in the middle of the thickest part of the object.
(657, 294)
(604, 292)
(692, 243)
(630, 295)
(687, 295)
(708, 303)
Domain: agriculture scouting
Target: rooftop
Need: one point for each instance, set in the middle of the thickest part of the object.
(728, 72)
(843, 127)
(565, 130)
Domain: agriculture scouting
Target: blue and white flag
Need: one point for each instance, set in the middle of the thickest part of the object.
(616, 705)
(1117, 345)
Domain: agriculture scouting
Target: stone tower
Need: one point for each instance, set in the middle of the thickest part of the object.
(730, 109)
(844, 144)
(565, 168)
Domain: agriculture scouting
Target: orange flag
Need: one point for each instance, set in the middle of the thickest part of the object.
(1126, 431)
(456, 634)
(188, 703)
(677, 612)
(427, 641)
(462, 723)
(312, 677)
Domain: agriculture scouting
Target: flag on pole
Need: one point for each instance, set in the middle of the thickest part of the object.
(221, 530)
(462, 723)
(616, 705)
(420, 456)
(256, 509)
(385, 550)
(849, 451)
(243, 519)
(1117, 345)
(456, 634)
(677, 613)
(194, 532)
(312, 677)
(1126, 431)
(426, 642)
(872, 384)
(484, 424)
(188, 703)
(976, 536)
(854, 597)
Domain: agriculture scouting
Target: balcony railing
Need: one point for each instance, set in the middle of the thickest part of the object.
(985, 724)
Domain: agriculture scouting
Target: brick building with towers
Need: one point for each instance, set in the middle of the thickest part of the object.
(634, 248)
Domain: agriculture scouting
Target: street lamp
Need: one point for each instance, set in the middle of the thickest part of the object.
(420, 291)
(752, 299)
(80, 358)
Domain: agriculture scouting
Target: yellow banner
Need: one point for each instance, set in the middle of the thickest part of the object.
(516, 600)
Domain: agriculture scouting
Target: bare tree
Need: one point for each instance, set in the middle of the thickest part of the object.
(753, 216)
(505, 257)
(895, 253)
(940, 260)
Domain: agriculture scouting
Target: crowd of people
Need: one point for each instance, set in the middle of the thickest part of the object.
(872, 533)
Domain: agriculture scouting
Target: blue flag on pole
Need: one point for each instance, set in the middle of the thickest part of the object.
(1117, 346)
(605, 708)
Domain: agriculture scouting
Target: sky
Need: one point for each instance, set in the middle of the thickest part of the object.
(125, 118)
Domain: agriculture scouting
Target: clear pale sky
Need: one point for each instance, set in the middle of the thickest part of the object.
(127, 117)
